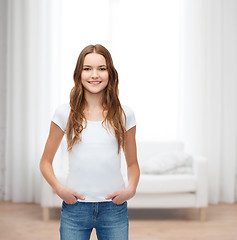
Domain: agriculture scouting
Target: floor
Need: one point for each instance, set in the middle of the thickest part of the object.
(24, 221)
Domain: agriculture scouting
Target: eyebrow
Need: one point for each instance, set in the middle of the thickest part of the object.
(90, 66)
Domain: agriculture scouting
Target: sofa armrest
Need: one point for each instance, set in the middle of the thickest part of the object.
(200, 171)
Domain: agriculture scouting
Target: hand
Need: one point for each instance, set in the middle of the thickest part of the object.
(68, 195)
(121, 195)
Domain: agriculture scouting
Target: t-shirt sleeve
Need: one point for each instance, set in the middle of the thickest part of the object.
(60, 116)
(131, 119)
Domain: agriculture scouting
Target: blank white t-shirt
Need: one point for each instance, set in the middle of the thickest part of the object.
(94, 163)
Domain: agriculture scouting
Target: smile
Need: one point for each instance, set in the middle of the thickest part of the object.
(95, 82)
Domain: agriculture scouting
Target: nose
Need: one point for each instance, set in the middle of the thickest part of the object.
(94, 74)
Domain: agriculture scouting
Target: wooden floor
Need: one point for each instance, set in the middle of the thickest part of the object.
(22, 221)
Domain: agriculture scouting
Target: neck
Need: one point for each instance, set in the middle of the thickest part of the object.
(93, 102)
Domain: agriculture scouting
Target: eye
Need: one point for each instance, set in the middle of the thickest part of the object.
(86, 69)
(103, 69)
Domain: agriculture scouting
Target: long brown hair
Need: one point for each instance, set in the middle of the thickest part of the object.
(110, 101)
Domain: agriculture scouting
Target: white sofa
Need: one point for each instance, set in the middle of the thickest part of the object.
(154, 190)
(170, 190)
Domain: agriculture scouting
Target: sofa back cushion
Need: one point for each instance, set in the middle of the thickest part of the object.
(148, 149)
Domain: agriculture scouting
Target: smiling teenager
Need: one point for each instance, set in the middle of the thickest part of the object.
(97, 127)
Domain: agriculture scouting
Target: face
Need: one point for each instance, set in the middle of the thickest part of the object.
(94, 76)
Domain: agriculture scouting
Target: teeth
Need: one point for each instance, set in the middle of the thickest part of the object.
(94, 82)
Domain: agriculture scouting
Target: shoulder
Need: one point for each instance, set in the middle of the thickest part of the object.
(63, 106)
(130, 116)
(63, 109)
(61, 115)
(127, 109)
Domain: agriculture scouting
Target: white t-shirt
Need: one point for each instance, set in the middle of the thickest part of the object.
(94, 163)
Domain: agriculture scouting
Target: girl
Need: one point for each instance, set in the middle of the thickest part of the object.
(97, 126)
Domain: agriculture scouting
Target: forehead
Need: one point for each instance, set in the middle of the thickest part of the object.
(94, 59)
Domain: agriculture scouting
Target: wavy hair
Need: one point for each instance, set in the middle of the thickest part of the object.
(110, 101)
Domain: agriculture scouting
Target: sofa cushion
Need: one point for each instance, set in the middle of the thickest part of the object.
(165, 200)
(147, 149)
(165, 163)
(151, 183)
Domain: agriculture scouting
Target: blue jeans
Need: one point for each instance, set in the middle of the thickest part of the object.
(109, 219)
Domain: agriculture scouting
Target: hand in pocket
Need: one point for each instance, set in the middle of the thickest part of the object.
(121, 195)
(69, 195)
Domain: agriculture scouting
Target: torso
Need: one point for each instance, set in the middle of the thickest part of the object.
(95, 156)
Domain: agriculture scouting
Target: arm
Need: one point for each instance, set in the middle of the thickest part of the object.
(54, 139)
(133, 170)
(51, 147)
(130, 152)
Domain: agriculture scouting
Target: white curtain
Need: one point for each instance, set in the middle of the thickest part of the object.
(208, 90)
(32, 92)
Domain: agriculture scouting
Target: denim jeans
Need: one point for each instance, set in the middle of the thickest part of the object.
(110, 220)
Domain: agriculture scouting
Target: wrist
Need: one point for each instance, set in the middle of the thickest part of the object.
(132, 189)
(58, 187)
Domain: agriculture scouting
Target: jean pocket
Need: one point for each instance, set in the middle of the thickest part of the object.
(70, 204)
(124, 203)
